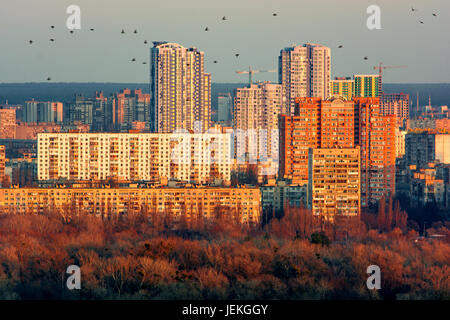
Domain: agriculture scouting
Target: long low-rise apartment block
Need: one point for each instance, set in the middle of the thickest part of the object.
(244, 201)
(190, 157)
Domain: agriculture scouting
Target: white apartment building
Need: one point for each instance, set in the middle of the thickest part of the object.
(188, 157)
(180, 89)
(304, 71)
(256, 110)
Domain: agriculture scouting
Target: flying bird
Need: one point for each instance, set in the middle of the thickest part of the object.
(224, 18)
(274, 14)
(340, 46)
(123, 31)
(71, 31)
(52, 40)
(133, 60)
(237, 55)
(206, 29)
(144, 62)
(135, 31)
(145, 42)
(215, 61)
(421, 21)
(48, 79)
(434, 14)
(412, 9)
(53, 27)
(92, 29)
(30, 42)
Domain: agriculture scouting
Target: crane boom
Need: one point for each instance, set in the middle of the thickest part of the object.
(380, 69)
(251, 71)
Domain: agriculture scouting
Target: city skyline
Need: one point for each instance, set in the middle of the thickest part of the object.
(257, 36)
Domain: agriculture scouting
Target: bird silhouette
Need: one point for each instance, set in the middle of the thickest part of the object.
(237, 55)
(53, 27)
(224, 18)
(215, 61)
(135, 31)
(412, 9)
(48, 79)
(434, 14)
(133, 60)
(30, 42)
(365, 58)
(71, 31)
(340, 46)
(421, 21)
(52, 40)
(92, 29)
(144, 62)
(206, 29)
(274, 14)
(145, 42)
(123, 31)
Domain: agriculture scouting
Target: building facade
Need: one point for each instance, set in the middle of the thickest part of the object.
(304, 71)
(8, 123)
(396, 104)
(367, 86)
(334, 182)
(190, 157)
(343, 87)
(317, 123)
(246, 202)
(256, 110)
(180, 89)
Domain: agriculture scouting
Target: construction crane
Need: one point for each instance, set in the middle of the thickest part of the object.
(250, 73)
(380, 69)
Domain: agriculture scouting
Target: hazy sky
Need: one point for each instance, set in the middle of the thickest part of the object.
(105, 55)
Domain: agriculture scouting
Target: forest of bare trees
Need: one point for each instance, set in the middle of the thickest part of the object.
(143, 255)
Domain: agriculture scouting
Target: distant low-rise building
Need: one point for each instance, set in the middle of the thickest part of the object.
(189, 201)
(276, 195)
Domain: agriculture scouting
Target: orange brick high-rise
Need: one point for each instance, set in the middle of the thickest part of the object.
(317, 123)
(335, 123)
(376, 136)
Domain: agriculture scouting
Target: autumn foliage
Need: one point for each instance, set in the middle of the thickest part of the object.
(148, 256)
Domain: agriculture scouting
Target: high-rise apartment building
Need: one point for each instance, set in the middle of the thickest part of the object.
(8, 123)
(131, 106)
(367, 85)
(180, 89)
(304, 71)
(188, 157)
(423, 147)
(317, 123)
(225, 109)
(334, 182)
(43, 112)
(256, 110)
(376, 137)
(336, 123)
(396, 104)
(343, 87)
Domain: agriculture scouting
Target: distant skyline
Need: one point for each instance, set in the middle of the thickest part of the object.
(251, 30)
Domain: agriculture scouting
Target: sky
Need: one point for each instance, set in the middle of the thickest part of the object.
(250, 30)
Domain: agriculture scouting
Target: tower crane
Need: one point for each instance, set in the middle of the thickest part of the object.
(380, 69)
(250, 73)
